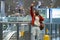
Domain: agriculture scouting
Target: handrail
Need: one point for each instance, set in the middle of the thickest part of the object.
(15, 22)
(9, 35)
(25, 22)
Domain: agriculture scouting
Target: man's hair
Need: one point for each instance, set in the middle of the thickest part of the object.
(37, 13)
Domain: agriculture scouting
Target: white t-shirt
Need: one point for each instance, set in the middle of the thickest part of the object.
(36, 22)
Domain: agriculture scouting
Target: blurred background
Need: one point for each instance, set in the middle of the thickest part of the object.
(12, 6)
(12, 11)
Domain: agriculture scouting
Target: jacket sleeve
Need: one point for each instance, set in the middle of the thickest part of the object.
(41, 18)
(31, 11)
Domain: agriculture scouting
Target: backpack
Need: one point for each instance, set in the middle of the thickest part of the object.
(41, 26)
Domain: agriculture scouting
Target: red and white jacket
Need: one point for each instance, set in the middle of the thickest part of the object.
(33, 16)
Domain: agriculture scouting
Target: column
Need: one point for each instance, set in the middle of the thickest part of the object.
(2, 8)
(1, 33)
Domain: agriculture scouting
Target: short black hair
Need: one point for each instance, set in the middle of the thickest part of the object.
(36, 12)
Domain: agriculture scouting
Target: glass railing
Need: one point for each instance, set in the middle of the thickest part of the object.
(12, 30)
(17, 27)
(53, 30)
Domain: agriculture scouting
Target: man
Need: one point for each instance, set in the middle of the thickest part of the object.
(36, 22)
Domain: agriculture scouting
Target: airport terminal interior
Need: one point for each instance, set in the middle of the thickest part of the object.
(15, 19)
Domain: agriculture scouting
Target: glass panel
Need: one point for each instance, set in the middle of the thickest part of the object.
(42, 12)
(53, 31)
(9, 31)
(47, 27)
(24, 32)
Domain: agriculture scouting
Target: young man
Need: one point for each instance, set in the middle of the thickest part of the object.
(36, 22)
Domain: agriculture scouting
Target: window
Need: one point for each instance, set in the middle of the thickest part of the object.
(55, 13)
